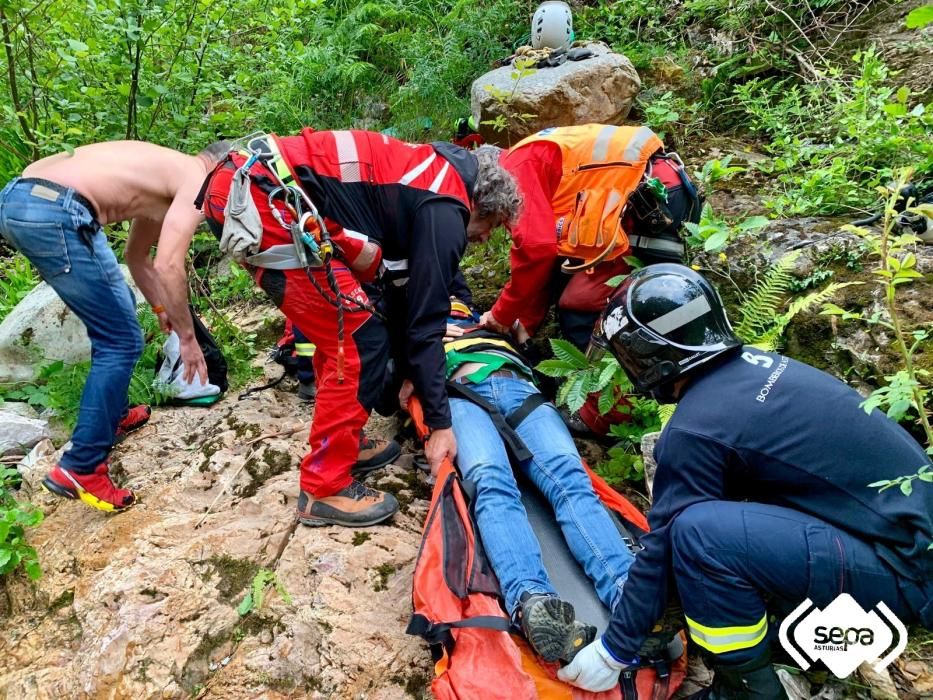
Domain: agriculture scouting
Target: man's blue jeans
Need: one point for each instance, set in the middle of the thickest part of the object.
(556, 471)
(67, 246)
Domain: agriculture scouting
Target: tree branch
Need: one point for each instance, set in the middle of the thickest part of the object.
(14, 88)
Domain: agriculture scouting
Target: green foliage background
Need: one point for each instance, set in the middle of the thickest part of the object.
(183, 73)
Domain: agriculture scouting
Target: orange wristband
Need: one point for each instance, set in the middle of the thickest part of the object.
(158, 309)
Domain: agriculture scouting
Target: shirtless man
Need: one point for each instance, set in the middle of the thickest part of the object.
(54, 215)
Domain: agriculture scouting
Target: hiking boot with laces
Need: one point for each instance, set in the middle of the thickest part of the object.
(134, 419)
(354, 506)
(548, 625)
(96, 489)
(375, 453)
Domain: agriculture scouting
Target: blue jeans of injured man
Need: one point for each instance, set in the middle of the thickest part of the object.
(66, 245)
(556, 471)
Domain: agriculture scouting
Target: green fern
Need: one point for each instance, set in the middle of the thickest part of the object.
(760, 308)
(762, 324)
(665, 411)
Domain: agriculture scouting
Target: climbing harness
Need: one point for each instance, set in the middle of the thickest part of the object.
(295, 212)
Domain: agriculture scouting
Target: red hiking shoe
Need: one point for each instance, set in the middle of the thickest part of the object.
(95, 489)
(134, 419)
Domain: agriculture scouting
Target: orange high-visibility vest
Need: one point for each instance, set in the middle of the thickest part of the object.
(602, 166)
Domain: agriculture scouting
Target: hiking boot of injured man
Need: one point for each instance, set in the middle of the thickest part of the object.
(583, 634)
(548, 625)
(353, 506)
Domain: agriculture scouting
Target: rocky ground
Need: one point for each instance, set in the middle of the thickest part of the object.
(143, 604)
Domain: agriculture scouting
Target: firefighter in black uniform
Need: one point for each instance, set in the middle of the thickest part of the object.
(761, 493)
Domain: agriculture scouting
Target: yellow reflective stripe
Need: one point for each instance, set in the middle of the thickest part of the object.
(276, 159)
(719, 640)
(305, 349)
(467, 342)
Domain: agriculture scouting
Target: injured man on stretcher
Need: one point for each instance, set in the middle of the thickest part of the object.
(498, 413)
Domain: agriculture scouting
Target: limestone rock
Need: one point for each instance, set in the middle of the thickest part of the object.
(35, 465)
(42, 329)
(143, 604)
(599, 89)
(20, 408)
(18, 434)
(796, 685)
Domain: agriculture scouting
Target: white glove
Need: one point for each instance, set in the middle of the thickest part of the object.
(592, 669)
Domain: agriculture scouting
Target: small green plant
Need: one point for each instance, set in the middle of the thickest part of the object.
(17, 279)
(908, 390)
(15, 518)
(717, 170)
(919, 17)
(580, 379)
(713, 232)
(661, 113)
(56, 386)
(906, 483)
(624, 464)
(256, 595)
(508, 119)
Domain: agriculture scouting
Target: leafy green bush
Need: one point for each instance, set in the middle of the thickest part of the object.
(17, 279)
(15, 518)
(834, 142)
(908, 393)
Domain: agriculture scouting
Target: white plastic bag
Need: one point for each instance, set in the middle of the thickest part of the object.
(170, 377)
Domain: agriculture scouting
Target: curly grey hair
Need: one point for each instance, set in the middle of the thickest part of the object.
(495, 192)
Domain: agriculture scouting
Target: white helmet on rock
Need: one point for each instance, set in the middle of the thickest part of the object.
(552, 26)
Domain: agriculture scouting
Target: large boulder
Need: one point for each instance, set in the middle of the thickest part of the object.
(42, 329)
(596, 90)
(18, 433)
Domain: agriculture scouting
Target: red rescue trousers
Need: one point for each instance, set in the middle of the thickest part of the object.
(343, 403)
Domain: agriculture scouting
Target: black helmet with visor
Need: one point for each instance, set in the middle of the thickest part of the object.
(663, 321)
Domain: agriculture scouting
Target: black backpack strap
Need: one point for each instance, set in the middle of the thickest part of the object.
(513, 443)
(528, 405)
(437, 634)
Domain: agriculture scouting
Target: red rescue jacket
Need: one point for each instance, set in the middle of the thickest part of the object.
(413, 199)
(537, 168)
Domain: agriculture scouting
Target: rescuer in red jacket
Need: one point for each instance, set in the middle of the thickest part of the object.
(554, 169)
(417, 204)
